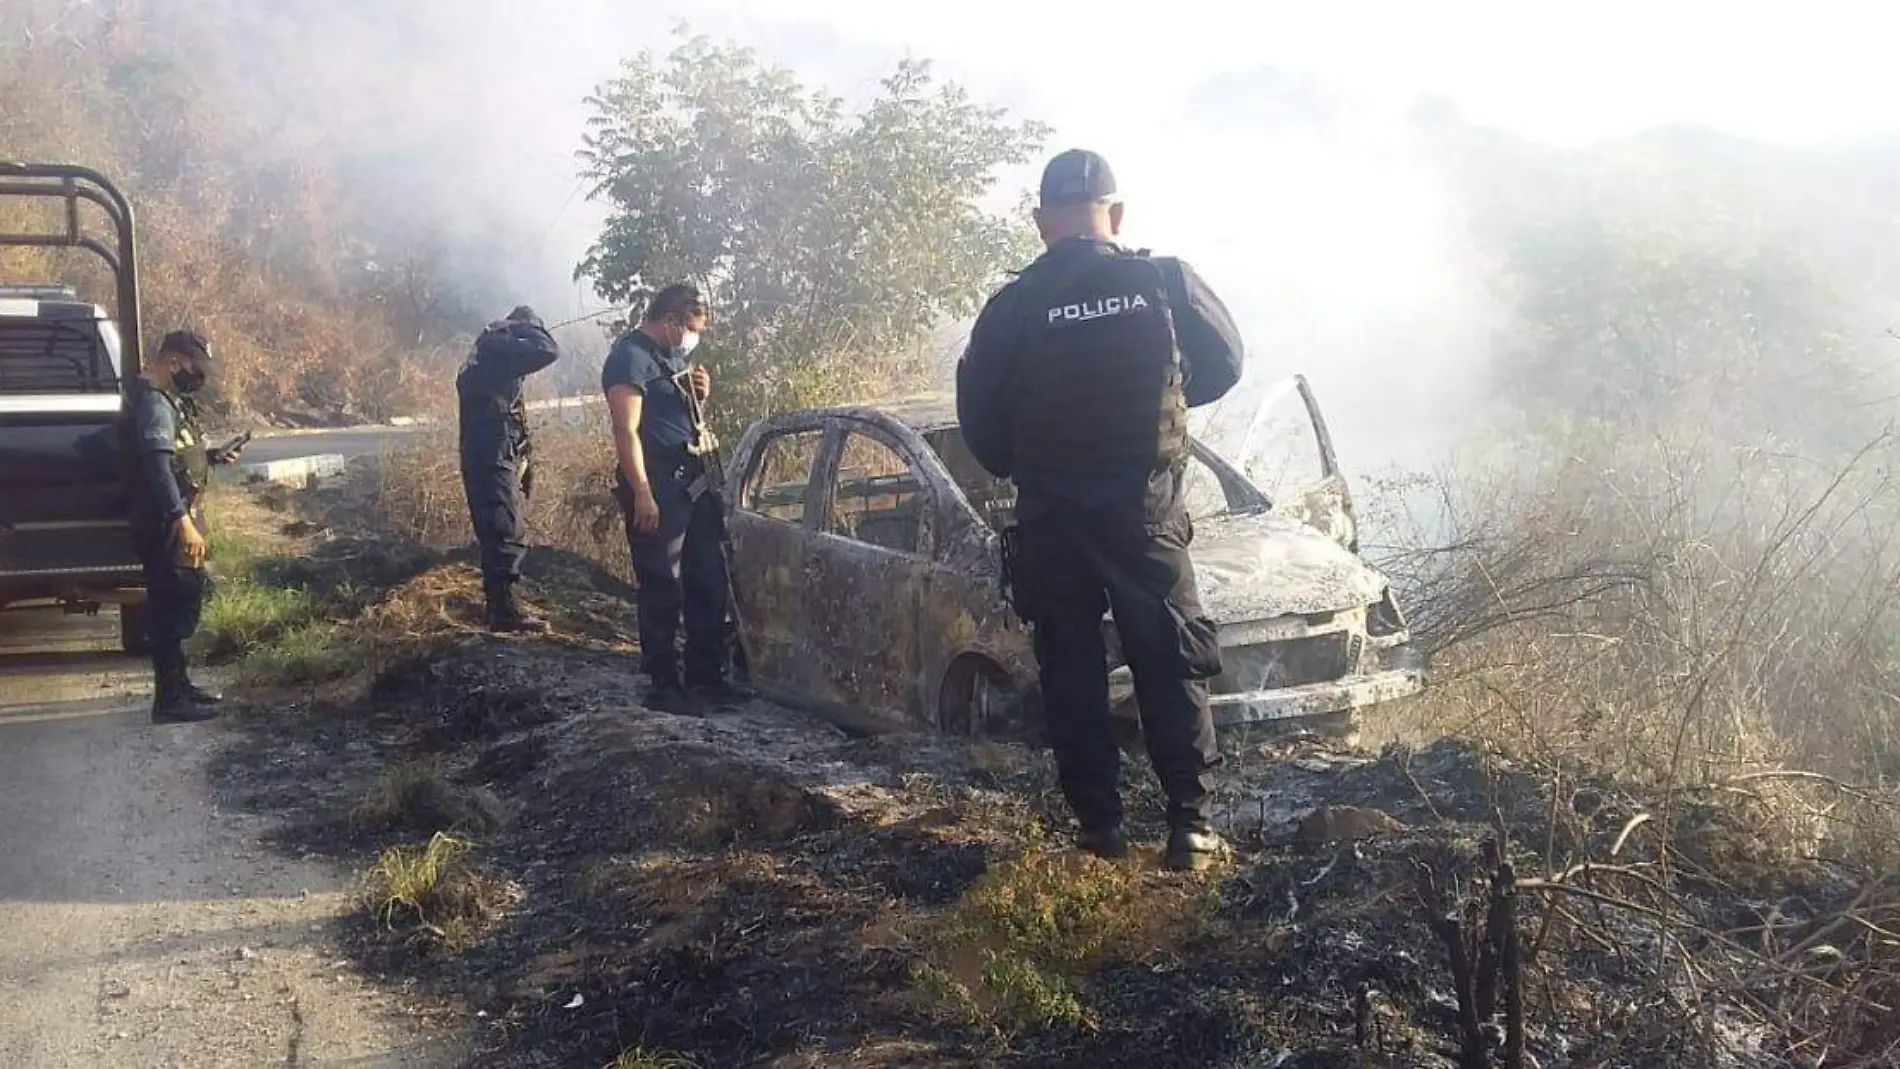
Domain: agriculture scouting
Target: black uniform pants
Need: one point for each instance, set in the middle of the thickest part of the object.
(175, 592)
(681, 572)
(494, 505)
(1071, 566)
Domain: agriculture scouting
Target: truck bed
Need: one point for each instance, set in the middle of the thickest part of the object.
(63, 509)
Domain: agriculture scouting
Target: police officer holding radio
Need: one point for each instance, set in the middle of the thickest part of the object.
(171, 468)
(670, 495)
(496, 451)
(1076, 384)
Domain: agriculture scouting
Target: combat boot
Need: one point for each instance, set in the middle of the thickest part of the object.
(197, 693)
(172, 698)
(665, 695)
(1108, 843)
(505, 614)
(719, 693)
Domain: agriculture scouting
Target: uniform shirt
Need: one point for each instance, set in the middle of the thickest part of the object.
(494, 428)
(666, 425)
(1211, 356)
(162, 440)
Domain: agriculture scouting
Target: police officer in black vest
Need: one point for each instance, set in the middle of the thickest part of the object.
(1076, 384)
(670, 499)
(496, 472)
(170, 470)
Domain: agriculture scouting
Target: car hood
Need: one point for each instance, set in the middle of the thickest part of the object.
(1255, 567)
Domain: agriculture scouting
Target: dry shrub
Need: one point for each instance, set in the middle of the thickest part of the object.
(259, 248)
(1673, 612)
(419, 796)
(1720, 625)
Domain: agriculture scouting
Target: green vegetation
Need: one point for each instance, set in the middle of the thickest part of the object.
(436, 889)
(1011, 951)
(278, 636)
(831, 243)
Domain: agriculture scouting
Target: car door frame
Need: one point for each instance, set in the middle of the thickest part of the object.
(746, 563)
(1325, 504)
(1332, 494)
(831, 643)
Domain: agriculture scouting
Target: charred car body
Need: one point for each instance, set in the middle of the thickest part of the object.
(866, 569)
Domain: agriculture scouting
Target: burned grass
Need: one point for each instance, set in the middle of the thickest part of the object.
(760, 888)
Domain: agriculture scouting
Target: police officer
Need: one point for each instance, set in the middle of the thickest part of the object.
(170, 471)
(496, 474)
(670, 500)
(1076, 384)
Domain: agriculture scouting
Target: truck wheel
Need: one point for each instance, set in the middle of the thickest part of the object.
(132, 635)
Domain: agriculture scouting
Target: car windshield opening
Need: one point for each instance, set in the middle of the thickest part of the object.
(995, 499)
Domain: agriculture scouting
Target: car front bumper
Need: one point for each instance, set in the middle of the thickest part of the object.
(1315, 699)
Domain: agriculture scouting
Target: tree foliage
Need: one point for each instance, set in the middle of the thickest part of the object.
(830, 241)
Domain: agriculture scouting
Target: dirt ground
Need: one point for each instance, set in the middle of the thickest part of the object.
(761, 888)
(578, 881)
(140, 923)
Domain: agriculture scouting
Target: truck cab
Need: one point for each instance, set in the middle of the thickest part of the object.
(65, 535)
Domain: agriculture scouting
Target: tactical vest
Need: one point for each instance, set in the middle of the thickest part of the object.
(190, 464)
(1099, 386)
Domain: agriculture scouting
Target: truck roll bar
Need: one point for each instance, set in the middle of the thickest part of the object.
(72, 184)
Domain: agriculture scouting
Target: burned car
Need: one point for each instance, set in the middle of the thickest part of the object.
(866, 571)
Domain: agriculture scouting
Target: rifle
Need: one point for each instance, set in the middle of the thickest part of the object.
(704, 445)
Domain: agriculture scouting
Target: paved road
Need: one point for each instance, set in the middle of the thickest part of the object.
(369, 441)
(140, 925)
(349, 441)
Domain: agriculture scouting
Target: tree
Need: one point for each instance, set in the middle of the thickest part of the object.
(829, 242)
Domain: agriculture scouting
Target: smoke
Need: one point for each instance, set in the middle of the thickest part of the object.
(1344, 255)
(1315, 205)
(453, 126)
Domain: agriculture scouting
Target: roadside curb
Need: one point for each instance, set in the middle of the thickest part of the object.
(294, 471)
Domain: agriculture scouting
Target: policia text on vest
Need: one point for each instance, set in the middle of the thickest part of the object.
(1106, 306)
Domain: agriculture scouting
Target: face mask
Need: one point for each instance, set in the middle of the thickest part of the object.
(688, 341)
(188, 380)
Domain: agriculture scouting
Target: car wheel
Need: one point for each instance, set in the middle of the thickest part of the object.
(133, 637)
(736, 663)
(977, 699)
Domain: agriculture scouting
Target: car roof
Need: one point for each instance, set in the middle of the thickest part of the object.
(924, 413)
(28, 307)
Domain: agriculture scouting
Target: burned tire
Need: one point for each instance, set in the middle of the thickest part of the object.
(133, 638)
(977, 700)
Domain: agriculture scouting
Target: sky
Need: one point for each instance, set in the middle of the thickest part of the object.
(1338, 254)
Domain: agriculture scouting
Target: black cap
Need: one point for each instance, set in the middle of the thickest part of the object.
(523, 314)
(1077, 176)
(187, 342)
